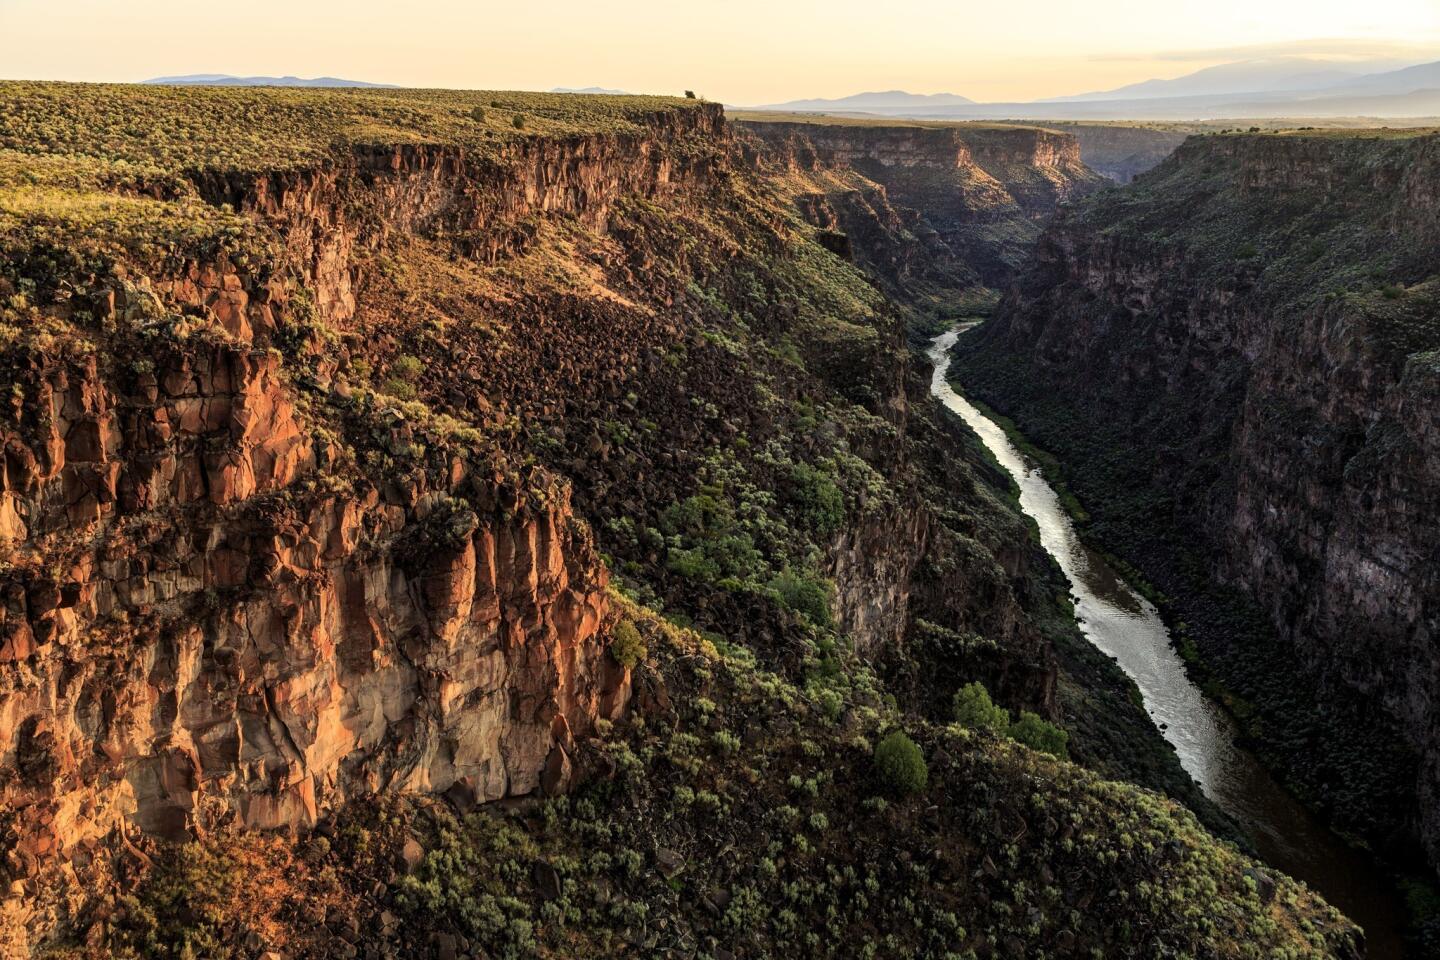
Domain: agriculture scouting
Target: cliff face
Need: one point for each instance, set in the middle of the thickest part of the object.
(431, 446)
(1258, 321)
(200, 604)
(974, 194)
(242, 586)
(211, 610)
(1123, 151)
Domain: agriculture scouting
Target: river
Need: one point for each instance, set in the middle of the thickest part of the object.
(1123, 624)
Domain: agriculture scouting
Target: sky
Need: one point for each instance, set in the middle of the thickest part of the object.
(740, 52)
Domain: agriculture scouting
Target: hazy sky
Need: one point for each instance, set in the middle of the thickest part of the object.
(744, 51)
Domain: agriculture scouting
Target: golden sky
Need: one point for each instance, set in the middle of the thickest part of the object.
(744, 51)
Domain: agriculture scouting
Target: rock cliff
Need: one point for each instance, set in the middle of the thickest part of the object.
(974, 195)
(1257, 320)
(224, 599)
(1122, 151)
(428, 449)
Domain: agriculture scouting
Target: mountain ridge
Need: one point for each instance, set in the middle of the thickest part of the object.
(873, 99)
(1409, 91)
(231, 80)
(1279, 74)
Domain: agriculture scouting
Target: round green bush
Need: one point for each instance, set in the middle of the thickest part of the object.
(626, 644)
(900, 763)
(1039, 734)
(975, 709)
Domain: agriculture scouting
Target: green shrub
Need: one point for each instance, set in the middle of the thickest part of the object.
(182, 908)
(407, 367)
(518, 121)
(975, 709)
(399, 389)
(820, 502)
(712, 544)
(1040, 734)
(696, 516)
(807, 594)
(693, 565)
(478, 114)
(900, 763)
(626, 644)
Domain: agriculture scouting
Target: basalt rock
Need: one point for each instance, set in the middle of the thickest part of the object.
(1121, 151)
(204, 619)
(199, 649)
(971, 196)
(1257, 318)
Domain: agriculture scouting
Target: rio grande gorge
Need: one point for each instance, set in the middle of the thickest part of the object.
(458, 524)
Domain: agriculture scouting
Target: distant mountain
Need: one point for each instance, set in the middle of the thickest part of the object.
(1425, 76)
(604, 90)
(886, 100)
(1280, 74)
(226, 80)
(1389, 106)
(1288, 87)
(1422, 103)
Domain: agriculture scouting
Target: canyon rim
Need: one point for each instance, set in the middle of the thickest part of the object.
(450, 523)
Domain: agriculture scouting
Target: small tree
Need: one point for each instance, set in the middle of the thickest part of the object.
(404, 372)
(1039, 734)
(407, 366)
(626, 645)
(806, 593)
(975, 709)
(900, 764)
(689, 94)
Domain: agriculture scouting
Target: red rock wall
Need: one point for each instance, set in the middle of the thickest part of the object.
(979, 193)
(211, 629)
(200, 620)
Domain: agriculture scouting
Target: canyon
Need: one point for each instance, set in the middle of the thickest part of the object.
(979, 192)
(503, 524)
(1254, 329)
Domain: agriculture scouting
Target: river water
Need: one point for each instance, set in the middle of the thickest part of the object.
(1126, 626)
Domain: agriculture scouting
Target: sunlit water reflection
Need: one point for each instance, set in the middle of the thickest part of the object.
(1127, 627)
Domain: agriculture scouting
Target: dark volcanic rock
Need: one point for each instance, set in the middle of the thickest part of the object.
(1251, 331)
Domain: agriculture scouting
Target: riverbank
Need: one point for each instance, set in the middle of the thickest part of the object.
(1123, 623)
(1342, 758)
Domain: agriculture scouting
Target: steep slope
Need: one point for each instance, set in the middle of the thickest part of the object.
(324, 444)
(731, 817)
(977, 193)
(1248, 335)
(1122, 151)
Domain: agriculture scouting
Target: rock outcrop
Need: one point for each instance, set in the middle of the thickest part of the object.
(211, 610)
(1123, 150)
(219, 631)
(971, 196)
